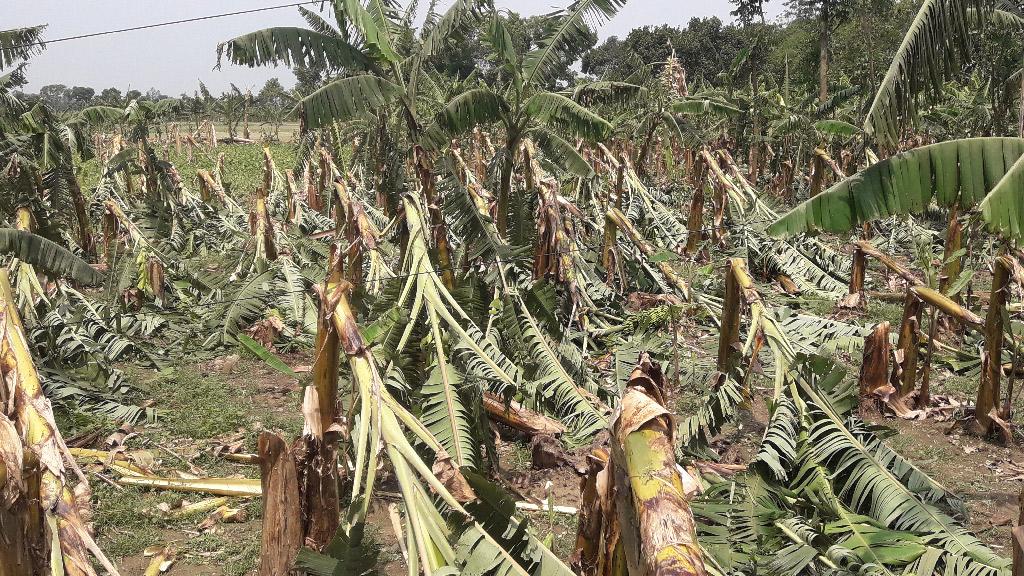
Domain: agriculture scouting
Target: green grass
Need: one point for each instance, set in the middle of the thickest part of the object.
(243, 166)
(199, 407)
(194, 408)
(236, 554)
(878, 311)
(203, 406)
(121, 519)
(73, 422)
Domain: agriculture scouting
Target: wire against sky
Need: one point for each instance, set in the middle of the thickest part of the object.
(169, 23)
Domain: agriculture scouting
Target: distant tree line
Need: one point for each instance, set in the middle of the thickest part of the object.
(817, 46)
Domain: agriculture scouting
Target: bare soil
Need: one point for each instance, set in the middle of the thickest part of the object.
(981, 472)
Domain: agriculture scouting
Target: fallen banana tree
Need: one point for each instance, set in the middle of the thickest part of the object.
(42, 511)
(472, 525)
(636, 516)
(906, 371)
(823, 489)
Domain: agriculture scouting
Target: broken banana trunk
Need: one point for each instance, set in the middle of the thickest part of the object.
(262, 227)
(740, 293)
(636, 516)
(282, 511)
(519, 418)
(670, 275)
(41, 516)
(317, 458)
(874, 370)
(438, 228)
(991, 371)
(608, 245)
(300, 482)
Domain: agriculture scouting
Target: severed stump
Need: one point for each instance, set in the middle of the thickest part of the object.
(282, 510)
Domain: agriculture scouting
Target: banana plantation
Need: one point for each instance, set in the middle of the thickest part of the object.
(642, 319)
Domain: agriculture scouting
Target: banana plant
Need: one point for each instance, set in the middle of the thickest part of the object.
(455, 521)
(386, 73)
(29, 439)
(824, 491)
(939, 40)
(972, 173)
(16, 46)
(523, 106)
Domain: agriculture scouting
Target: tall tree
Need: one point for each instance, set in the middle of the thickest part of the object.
(828, 14)
(748, 11)
(110, 97)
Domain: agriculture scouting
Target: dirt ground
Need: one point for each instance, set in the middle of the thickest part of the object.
(987, 476)
(226, 403)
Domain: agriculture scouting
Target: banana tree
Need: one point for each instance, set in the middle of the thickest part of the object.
(968, 174)
(43, 511)
(524, 107)
(940, 39)
(136, 121)
(637, 498)
(16, 46)
(60, 142)
(384, 67)
(983, 174)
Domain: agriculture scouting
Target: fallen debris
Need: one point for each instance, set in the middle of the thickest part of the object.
(217, 486)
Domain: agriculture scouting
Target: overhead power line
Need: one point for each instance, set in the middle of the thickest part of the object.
(169, 23)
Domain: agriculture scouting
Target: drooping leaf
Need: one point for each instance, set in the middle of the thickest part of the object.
(956, 172)
(479, 106)
(1003, 207)
(562, 153)
(346, 99)
(268, 357)
(835, 128)
(569, 30)
(294, 47)
(19, 44)
(48, 256)
(569, 117)
(931, 53)
(607, 92)
(704, 106)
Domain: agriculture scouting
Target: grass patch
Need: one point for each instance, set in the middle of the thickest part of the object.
(243, 166)
(72, 422)
(879, 311)
(122, 520)
(199, 407)
(202, 407)
(194, 407)
(236, 554)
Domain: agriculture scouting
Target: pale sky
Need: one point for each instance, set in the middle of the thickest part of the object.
(174, 59)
